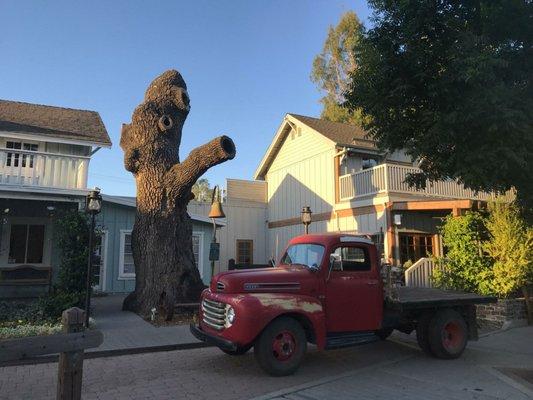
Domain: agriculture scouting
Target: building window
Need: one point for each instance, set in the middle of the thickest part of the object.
(415, 246)
(245, 251)
(126, 268)
(369, 163)
(16, 159)
(26, 244)
(197, 249)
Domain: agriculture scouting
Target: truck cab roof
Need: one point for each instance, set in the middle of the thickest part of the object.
(330, 238)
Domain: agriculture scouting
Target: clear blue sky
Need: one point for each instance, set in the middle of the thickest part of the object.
(246, 64)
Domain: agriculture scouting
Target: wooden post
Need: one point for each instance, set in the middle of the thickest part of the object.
(71, 363)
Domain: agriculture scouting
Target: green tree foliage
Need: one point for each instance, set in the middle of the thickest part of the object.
(489, 254)
(510, 246)
(332, 67)
(72, 238)
(450, 82)
(466, 266)
(202, 190)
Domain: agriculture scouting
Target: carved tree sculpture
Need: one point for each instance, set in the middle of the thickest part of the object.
(162, 234)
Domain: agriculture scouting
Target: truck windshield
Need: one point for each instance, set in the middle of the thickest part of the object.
(304, 254)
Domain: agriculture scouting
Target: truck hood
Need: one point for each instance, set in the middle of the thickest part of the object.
(295, 279)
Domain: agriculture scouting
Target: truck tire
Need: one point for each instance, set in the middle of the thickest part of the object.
(239, 352)
(422, 333)
(448, 334)
(281, 347)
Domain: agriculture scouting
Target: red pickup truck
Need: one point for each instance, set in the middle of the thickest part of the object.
(327, 289)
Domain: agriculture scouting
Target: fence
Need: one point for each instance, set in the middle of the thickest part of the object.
(70, 344)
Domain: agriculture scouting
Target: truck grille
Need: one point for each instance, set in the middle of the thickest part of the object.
(214, 314)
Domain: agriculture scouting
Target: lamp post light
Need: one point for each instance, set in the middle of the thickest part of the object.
(306, 218)
(215, 212)
(93, 205)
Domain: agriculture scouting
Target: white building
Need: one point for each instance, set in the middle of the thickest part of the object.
(350, 186)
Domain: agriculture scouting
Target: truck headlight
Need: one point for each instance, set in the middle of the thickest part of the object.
(230, 316)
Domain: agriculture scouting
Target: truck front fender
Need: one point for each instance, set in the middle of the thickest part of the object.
(274, 305)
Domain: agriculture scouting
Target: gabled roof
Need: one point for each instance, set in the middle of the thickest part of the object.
(342, 134)
(336, 133)
(68, 124)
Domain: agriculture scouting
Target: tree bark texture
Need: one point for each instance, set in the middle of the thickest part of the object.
(162, 235)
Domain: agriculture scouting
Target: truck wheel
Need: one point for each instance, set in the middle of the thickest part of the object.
(281, 347)
(448, 334)
(422, 333)
(239, 352)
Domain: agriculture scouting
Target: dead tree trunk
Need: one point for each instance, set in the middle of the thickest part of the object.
(162, 234)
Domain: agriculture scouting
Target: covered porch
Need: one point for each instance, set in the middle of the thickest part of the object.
(29, 257)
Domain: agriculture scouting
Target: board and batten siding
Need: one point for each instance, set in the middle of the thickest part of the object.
(114, 219)
(239, 189)
(301, 174)
(245, 220)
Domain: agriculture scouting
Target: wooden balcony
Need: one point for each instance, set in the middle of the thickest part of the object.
(390, 178)
(39, 169)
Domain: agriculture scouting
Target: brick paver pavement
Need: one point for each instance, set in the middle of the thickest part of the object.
(188, 374)
(381, 371)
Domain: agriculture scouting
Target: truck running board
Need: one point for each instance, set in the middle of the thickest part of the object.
(339, 340)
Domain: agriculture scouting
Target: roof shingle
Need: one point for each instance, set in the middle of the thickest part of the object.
(340, 133)
(66, 123)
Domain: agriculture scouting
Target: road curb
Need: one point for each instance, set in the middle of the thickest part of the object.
(110, 353)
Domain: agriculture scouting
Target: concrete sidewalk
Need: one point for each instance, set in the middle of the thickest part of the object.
(126, 330)
(499, 366)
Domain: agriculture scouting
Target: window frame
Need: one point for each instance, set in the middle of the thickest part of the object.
(27, 226)
(237, 241)
(366, 253)
(121, 274)
(200, 261)
(13, 158)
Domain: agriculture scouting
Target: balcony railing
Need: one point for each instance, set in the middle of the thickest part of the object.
(391, 178)
(33, 168)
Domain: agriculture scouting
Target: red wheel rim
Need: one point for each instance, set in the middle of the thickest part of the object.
(283, 346)
(452, 336)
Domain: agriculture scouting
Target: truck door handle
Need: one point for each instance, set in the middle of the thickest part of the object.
(372, 283)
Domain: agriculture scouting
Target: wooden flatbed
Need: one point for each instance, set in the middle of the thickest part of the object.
(411, 298)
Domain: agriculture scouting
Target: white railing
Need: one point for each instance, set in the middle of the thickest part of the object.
(419, 274)
(391, 178)
(34, 168)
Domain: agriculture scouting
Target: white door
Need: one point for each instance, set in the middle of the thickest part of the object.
(100, 251)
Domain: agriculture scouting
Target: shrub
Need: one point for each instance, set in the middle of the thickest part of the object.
(26, 329)
(510, 246)
(488, 254)
(51, 307)
(72, 236)
(466, 266)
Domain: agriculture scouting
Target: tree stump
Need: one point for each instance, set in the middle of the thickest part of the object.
(162, 235)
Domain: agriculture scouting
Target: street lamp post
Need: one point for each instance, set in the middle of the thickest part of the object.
(215, 212)
(306, 218)
(93, 205)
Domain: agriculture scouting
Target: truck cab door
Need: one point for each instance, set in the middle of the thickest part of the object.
(354, 293)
